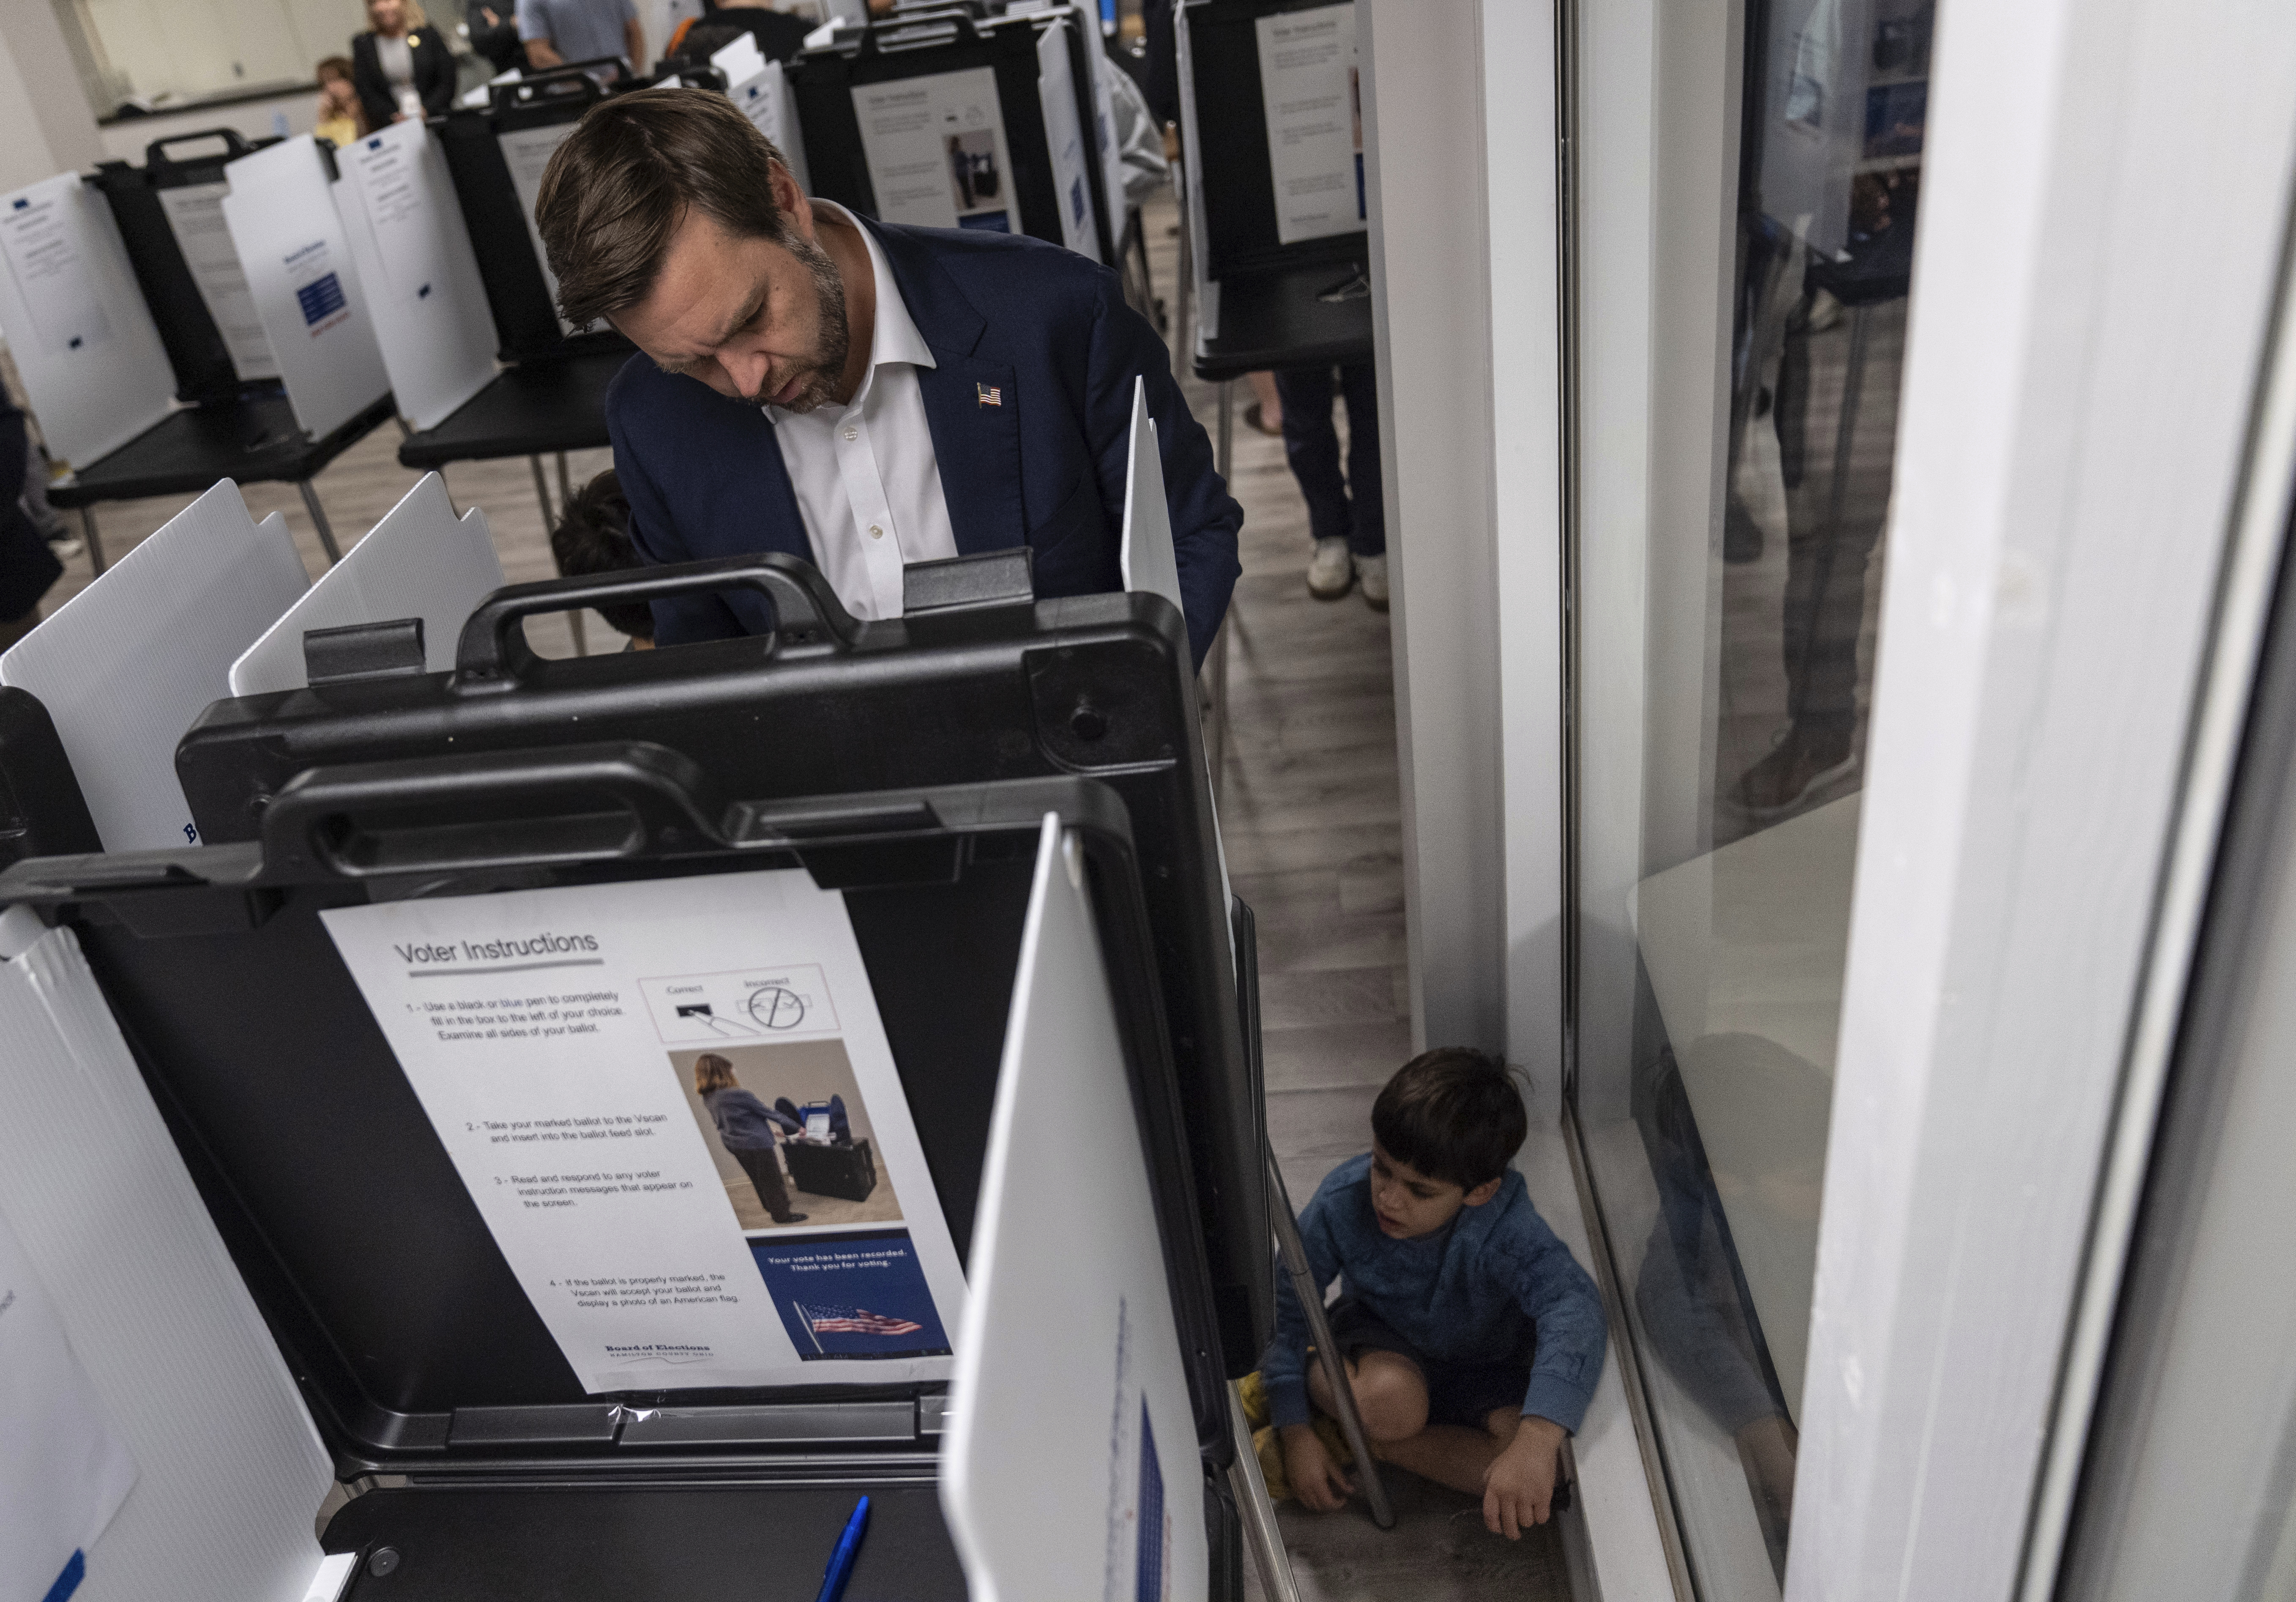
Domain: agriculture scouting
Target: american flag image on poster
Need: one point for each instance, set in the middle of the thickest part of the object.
(854, 1320)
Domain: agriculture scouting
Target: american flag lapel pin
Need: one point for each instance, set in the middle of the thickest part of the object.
(989, 396)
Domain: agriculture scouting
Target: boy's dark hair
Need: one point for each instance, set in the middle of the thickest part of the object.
(618, 188)
(593, 538)
(1453, 1114)
(333, 66)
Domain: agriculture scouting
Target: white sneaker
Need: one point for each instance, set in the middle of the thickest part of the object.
(1372, 571)
(1330, 571)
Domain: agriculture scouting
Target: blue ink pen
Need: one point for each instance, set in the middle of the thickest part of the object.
(841, 1561)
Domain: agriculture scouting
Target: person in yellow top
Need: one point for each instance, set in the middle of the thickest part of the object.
(338, 120)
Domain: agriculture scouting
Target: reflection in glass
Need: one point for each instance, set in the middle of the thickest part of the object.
(1704, 1079)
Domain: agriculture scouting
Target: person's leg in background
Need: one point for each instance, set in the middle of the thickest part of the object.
(765, 1170)
(1366, 498)
(1311, 444)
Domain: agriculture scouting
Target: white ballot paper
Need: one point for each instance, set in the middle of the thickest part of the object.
(196, 215)
(935, 147)
(599, 1062)
(63, 1472)
(1315, 120)
(1069, 1467)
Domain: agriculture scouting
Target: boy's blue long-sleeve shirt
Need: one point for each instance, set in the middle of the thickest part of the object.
(1468, 1293)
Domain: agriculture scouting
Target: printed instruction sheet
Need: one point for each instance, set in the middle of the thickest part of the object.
(1315, 120)
(40, 237)
(195, 216)
(526, 153)
(935, 146)
(644, 1085)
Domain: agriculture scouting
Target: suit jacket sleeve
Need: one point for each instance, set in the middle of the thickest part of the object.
(1205, 518)
(682, 619)
(434, 73)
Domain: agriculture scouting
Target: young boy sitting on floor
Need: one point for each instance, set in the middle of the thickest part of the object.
(1473, 1338)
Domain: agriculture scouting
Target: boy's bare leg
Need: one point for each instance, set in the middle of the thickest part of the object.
(1452, 1454)
(1390, 1394)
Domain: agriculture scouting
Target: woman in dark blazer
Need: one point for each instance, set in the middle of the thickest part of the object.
(402, 69)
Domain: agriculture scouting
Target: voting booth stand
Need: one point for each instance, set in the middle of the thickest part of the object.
(255, 407)
(431, 1024)
(947, 119)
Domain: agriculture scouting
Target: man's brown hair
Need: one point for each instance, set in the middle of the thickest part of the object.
(635, 166)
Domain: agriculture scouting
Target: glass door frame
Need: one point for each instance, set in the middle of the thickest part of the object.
(2079, 546)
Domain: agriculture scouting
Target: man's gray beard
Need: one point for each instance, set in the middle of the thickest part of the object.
(836, 330)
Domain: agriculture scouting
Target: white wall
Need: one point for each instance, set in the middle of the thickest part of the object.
(1431, 299)
(1520, 129)
(45, 124)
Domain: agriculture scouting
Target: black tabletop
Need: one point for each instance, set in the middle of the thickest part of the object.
(1300, 316)
(530, 410)
(251, 440)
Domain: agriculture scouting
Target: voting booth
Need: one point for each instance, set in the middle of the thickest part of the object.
(947, 119)
(434, 1033)
(220, 272)
(1275, 202)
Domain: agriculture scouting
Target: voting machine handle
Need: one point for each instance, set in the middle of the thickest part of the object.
(919, 30)
(572, 81)
(493, 654)
(616, 800)
(157, 160)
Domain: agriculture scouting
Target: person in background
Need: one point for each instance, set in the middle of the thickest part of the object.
(779, 35)
(403, 68)
(1346, 515)
(28, 567)
(495, 36)
(337, 120)
(555, 32)
(745, 1129)
(1266, 411)
(593, 538)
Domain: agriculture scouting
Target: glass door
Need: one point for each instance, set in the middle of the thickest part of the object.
(1748, 183)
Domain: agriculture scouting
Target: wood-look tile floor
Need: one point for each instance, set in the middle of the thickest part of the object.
(1311, 813)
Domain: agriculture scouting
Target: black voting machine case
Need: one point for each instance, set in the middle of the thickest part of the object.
(988, 685)
(483, 1466)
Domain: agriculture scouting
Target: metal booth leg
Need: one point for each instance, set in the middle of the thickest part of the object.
(94, 541)
(1259, 1529)
(565, 486)
(319, 520)
(542, 494)
(1319, 1334)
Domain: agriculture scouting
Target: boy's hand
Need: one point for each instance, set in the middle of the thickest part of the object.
(1520, 1483)
(1316, 1480)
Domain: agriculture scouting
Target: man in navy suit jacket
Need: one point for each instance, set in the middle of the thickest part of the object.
(1005, 366)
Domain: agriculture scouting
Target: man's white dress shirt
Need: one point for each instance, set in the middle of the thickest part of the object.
(866, 479)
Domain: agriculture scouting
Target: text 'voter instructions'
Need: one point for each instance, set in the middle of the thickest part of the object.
(676, 1107)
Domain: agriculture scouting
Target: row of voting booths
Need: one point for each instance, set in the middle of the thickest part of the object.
(229, 310)
(365, 979)
(361, 1152)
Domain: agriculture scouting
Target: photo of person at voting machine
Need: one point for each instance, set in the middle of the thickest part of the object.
(786, 1125)
(857, 394)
